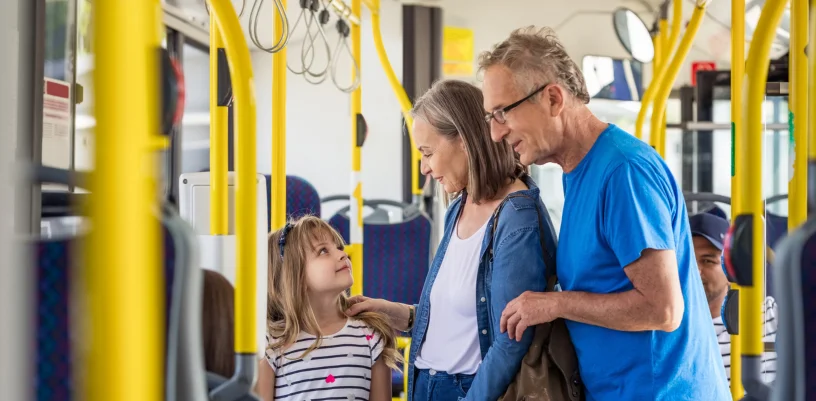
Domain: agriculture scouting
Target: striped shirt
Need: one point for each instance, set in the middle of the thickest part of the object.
(768, 358)
(340, 369)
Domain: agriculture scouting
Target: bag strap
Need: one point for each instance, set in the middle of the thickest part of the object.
(549, 260)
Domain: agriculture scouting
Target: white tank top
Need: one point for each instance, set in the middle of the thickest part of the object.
(452, 340)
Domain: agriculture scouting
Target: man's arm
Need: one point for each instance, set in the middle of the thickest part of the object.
(638, 226)
(655, 303)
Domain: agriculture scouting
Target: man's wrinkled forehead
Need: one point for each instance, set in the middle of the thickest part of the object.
(499, 88)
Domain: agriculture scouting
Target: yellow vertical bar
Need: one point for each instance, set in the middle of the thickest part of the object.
(125, 280)
(278, 181)
(668, 48)
(798, 117)
(356, 201)
(399, 91)
(812, 85)
(672, 68)
(219, 142)
(737, 153)
(246, 213)
(676, 24)
(750, 177)
(649, 94)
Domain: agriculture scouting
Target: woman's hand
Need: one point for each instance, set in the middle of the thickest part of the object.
(397, 312)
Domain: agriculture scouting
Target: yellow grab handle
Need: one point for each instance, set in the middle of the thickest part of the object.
(124, 273)
(798, 117)
(737, 152)
(671, 71)
(219, 141)
(240, 65)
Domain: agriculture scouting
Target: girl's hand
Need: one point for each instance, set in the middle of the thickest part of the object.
(397, 312)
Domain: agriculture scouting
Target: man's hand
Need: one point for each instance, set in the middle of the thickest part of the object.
(528, 309)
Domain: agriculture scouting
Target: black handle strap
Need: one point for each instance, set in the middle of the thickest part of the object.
(549, 260)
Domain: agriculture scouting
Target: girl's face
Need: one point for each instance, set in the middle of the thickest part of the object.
(328, 268)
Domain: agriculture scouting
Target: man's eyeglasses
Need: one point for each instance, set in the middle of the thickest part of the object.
(500, 114)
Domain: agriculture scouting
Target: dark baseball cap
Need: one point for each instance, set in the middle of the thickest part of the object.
(709, 226)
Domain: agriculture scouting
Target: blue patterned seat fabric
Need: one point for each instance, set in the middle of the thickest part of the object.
(301, 198)
(54, 355)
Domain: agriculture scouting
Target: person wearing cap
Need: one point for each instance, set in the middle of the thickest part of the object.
(708, 234)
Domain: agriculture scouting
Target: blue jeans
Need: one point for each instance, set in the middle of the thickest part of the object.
(432, 385)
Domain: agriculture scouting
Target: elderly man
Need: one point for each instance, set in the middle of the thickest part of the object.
(631, 292)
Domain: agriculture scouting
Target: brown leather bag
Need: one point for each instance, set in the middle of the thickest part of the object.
(549, 370)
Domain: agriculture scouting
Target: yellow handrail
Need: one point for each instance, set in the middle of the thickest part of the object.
(798, 117)
(676, 24)
(125, 280)
(657, 137)
(812, 86)
(356, 201)
(649, 94)
(752, 205)
(399, 91)
(737, 153)
(240, 65)
(672, 69)
(219, 141)
(277, 185)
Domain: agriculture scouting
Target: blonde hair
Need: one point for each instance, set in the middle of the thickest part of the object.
(535, 56)
(288, 310)
(455, 109)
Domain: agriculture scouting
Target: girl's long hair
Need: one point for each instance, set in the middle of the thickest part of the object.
(288, 311)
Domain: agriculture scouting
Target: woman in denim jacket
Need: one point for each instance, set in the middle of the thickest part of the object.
(458, 351)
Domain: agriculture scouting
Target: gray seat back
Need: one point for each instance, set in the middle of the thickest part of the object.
(796, 298)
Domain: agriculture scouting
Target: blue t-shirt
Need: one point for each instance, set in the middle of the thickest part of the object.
(620, 200)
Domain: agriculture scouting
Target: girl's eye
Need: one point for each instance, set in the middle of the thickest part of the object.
(322, 251)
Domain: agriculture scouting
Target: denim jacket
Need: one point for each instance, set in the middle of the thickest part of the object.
(517, 266)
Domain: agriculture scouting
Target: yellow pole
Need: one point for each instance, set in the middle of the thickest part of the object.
(125, 279)
(356, 204)
(737, 153)
(240, 66)
(798, 117)
(672, 69)
(399, 91)
(812, 87)
(676, 24)
(219, 141)
(278, 179)
(751, 206)
(649, 93)
(659, 136)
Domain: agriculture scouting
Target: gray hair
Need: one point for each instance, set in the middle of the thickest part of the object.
(535, 56)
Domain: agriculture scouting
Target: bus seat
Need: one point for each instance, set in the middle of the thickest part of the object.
(54, 355)
(395, 256)
(54, 349)
(301, 198)
(776, 227)
(796, 288)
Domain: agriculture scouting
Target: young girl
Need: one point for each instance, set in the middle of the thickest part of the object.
(314, 350)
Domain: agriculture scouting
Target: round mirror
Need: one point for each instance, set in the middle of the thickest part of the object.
(633, 35)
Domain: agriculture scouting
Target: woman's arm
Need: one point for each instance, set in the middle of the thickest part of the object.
(380, 382)
(265, 387)
(398, 314)
(518, 266)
